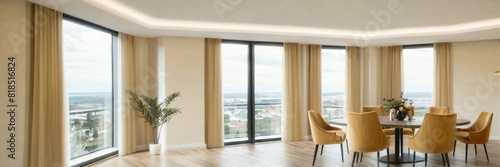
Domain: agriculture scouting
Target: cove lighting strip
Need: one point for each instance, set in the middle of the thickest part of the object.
(140, 18)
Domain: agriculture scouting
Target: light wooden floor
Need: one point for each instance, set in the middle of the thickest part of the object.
(291, 154)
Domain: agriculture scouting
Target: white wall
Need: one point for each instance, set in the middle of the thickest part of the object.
(475, 88)
(184, 72)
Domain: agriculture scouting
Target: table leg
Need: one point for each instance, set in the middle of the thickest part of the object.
(401, 135)
(399, 157)
(397, 136)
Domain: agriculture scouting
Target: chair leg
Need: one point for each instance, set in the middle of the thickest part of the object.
(361, 158)
(466, 151)
(454, 146)
(357, 157)
(315, 152)
(475, 149)
(322, 146)
(353, 158)
(342, 152)
(414, 157)
(447, 159)
(486, 151)
(347, 145)
(378, 158)
(442, 158)
(425, 159)
(388, 157)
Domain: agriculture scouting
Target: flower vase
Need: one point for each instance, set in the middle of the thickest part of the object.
(400, 115)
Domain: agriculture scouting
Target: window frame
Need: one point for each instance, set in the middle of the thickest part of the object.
(251, 89)
(104, 153)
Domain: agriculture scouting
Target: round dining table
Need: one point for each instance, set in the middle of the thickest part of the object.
(399, 157)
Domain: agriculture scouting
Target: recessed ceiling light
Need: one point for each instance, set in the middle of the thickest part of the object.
(140, 18)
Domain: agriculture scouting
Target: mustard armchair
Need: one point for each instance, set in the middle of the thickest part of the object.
(380, 112)
(323, 134)
(366, 135)
(436, 136)
(478, 133)
(439, 110)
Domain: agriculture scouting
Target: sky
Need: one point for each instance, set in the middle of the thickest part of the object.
(268, 68)
(333, 70)
(418, 69)
(87, 59)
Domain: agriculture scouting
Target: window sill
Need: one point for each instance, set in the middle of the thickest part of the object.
(94, 157)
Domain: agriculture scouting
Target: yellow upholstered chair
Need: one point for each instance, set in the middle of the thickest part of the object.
(478, 133)
(438, 110)
(323, 134)
(366, 135)
(380, 112)
(436, 136)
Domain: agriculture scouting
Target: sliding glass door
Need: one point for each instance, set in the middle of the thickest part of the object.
(252, 90)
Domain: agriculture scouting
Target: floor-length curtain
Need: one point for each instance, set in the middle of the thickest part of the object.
(127, 134)
(353, 79)
(48, 115)
(214, 132)
(291, 126)
(314, 81)
(442, 75)
(392, 72)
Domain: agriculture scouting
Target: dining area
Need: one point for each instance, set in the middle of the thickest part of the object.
(398, 137)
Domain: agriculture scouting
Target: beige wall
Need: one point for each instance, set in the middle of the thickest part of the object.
(184, 72)
(475, 88)
(13, 43)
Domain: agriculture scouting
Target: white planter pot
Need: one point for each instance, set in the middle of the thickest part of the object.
(155, 149)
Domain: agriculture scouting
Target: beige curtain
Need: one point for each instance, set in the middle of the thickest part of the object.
(442, 75)
(127, 137)
(291, 126)
(353, 79)
(314, 81)
(145, 83)
(214, 119)
(392, 72)
(48, 141)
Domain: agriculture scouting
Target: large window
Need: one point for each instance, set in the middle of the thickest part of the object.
(252, 90)
(333, 82)
(88, 66)
(418, 76)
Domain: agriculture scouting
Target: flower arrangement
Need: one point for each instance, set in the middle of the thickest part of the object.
(403, 105)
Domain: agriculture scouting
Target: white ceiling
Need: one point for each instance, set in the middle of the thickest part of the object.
(332, 22)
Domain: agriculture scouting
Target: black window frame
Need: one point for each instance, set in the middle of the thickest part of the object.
(251, 89)
(114, 66)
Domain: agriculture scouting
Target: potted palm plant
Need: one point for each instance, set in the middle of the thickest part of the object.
(154, 113)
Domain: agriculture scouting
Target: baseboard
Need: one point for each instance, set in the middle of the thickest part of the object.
(306, 138)
(494, 137)
(198, 146)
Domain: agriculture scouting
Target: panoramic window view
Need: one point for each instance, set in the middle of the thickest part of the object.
(418, 77)
(333, 83)
(234, 90)
(268, 88)
(88, 76)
